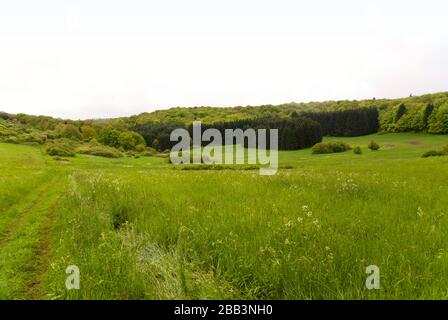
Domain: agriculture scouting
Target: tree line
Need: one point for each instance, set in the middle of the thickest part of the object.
(300, 124)
(293, 133)
(415, 117)
(346, 123)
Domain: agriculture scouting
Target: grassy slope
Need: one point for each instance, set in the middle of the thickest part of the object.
(305, 233)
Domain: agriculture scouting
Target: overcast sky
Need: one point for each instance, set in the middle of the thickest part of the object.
(108, 58)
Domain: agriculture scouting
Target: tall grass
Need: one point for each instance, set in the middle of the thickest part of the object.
(306, 233)
(138, 229)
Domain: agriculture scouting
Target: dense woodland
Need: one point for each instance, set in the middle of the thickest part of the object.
(294, 133)
(346, 123)
(301, 125)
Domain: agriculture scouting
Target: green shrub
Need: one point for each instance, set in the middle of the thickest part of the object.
(433, 153)
(34, 137)
(129, 140)
(69, 131)
(109, 136)
(156, 144)
(357, 150)
(374, 146)
(140, 148)
(330, 147)
(12, 139)
(88, 133)
(436, 153)
(149, 152)
(100, 151)
(5, 132)
(51, 135)
(60, 148)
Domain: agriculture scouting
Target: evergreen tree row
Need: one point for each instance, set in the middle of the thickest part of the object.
(157, 135)
(346, 123)
(293, 134)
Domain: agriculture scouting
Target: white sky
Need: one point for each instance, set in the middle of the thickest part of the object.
(108, 58)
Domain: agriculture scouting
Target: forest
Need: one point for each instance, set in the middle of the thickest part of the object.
(301, 125)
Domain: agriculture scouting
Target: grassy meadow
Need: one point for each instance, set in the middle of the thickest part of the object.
(139, 229)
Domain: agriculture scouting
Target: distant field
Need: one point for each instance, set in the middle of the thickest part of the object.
(137, 229)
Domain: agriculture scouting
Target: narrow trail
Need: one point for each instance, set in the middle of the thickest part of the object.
(21, 217)
(34, 286)
(25, 248)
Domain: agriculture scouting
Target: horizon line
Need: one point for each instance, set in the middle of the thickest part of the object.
(227, 107)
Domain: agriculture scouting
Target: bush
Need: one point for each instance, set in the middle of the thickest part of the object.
(88, 133)
(374, 146)
(140, 148)
(12, 139)
(69, 131)
(330, 147)
(156, 144)
(357, 150)
(129, 140)
(100, 151)
(149, 152)
(109, 136)
(433, 153)
(59, 148)
(436, 153)
(34, 137)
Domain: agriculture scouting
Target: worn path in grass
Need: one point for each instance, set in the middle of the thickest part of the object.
(15, 215)
(25, 241)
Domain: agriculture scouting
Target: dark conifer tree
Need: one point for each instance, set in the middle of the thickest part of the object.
(400, 112)
(427, 113)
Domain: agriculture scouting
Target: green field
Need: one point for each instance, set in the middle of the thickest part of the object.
(138, 229)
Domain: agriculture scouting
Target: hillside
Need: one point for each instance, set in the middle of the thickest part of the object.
(212, 114)
(426, 113)
(215, 114)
